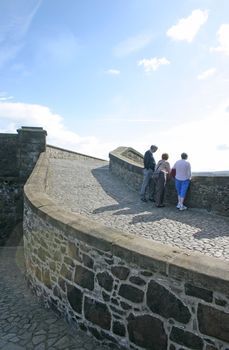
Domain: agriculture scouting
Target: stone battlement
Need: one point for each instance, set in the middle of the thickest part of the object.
(209, 192)
(133, 276)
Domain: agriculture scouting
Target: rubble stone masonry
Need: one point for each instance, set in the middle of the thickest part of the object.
(126, 291)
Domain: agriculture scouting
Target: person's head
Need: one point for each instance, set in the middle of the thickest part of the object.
(153, 148)
(184, 156)
(165, 156)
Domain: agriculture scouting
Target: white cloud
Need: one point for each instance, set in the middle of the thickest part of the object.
(201, 140)
(206, 74)
(131, 45)
(223, 35)
(153, 63)
(17, 114)
(187, 28)
(112, 71)
(4, 96)
(223, 147)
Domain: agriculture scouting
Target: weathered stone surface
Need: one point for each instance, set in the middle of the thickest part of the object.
(42, 253)
(62, 283)
(97, 313)
(131, 293)
(105, 280)
(187, 339)
(68, 261)
(211, 347)
(147, 331)
(119, 328)
(125, 306)
(46, 278)
(117, 310)
(73, 251)
(213, 322)
(37, 271)
(88, 261)
(121, 272)
(84, 277)
(162, 302)
(106, 297)
(56, 291)
(66, 272)
(172, 347)
(137, 280)
(75, 297)
(197, 292)
(220, 302)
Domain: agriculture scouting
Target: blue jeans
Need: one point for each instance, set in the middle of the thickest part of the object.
(182, 187)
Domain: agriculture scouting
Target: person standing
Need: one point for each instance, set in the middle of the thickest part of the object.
(160, 178)
(149, 167)
(182, 179)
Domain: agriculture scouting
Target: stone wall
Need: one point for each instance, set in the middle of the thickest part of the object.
(124, 290)
(18, 155)
(207, 192)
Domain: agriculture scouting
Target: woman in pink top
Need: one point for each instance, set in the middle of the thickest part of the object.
(182, 179)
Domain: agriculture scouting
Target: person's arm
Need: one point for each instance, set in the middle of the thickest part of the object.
(168, 167)
(189, 171)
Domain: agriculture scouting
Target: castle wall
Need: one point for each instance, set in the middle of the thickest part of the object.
(18, 155)
(206, 192)
(124, 290)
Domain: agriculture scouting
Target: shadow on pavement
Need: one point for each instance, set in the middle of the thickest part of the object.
(128, 203)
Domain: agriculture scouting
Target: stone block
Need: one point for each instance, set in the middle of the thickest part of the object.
(164, 303)
(84, 277)
(105, 280)
(213, 322)
(197, 292)
(187, 339)
(147, 331)
(97, 313)
(131, 293)
(75, 298)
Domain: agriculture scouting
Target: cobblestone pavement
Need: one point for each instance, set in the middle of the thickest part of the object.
(24, 323)
(87, 187)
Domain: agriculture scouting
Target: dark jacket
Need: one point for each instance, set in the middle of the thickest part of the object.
(149, 161)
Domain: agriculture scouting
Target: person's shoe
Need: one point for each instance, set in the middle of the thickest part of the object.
(151, 200)
(183, 207)
(143, 200)
(160, 206)
(178, 206)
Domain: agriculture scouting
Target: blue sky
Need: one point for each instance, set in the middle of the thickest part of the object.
(98, 74)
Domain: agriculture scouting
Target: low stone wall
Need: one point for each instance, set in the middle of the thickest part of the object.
(61, 153)
(18, 155)
(207, 192)
(126, 291)
(11, 207)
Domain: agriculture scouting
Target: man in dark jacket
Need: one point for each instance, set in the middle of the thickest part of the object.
(149, 167)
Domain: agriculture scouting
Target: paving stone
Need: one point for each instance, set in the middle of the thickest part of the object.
(103, 197)
(24, 322)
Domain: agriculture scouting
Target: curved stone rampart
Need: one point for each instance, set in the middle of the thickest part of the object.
(124, 290)
(209, 192)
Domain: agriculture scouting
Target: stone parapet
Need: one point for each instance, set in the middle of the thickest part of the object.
(124, 290)
(210, 192)
(18, 155)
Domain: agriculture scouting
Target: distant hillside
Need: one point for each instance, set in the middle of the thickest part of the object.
(211, 173)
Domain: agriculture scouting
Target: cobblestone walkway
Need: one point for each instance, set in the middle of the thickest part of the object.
(87, 187)
(24, 323)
